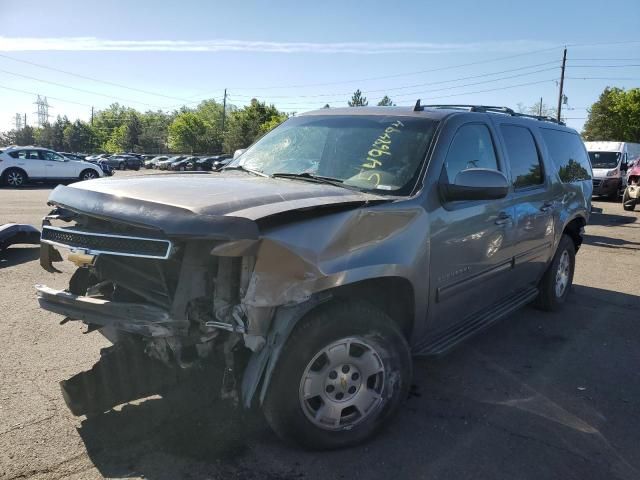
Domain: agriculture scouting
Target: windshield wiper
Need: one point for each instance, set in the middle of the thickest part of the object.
(310, 177)
(242, 168)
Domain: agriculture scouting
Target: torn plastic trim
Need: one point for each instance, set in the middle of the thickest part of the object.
(172, 221)
(263, 362)
(142, 319)
(14, 233)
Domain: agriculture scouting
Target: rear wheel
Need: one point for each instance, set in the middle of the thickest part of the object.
(15, 178)
(628, 203)
(88, 174)
(344, 371)
(558, 279)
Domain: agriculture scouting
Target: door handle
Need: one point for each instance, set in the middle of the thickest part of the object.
(503, 218)
(546, 206)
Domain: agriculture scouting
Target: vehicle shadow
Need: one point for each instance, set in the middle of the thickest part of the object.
(538, 389)
(609, 242)
(13, 256)
(611, 220)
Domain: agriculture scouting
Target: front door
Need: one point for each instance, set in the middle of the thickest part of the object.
(58, 166)
(471, 241)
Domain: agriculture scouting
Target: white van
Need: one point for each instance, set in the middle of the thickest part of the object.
(610, 161)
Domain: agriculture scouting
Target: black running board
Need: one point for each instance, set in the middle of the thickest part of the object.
(445, 341)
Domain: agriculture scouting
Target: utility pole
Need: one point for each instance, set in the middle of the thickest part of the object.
(561, 93)
(224, 110)
(540, 108)
(25, 120)
(92, 116)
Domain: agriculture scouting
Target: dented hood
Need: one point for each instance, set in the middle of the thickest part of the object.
(200, 204)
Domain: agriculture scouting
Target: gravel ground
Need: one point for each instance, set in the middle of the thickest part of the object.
(539, 396)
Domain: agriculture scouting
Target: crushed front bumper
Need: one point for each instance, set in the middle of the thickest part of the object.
(139, 318)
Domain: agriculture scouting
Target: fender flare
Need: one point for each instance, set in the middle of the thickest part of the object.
(263, 362)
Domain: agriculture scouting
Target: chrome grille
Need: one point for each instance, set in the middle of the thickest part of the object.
(105, 243)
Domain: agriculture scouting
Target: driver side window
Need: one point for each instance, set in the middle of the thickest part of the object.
(471, 147)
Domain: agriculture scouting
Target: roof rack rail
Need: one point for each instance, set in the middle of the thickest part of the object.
(486, 109)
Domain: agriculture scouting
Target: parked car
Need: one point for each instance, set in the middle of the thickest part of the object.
(631, 195)
(19, 165)
(150, 163)
(314, 266)
(213, 163)
(610, 163)
(184, 164)
(122, 162)
(96, 157)
(164, 164)
(73, 156)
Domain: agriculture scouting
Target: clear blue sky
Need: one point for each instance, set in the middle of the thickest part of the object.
(300, 55)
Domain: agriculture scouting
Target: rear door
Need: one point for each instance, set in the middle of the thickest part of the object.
(30, 162)
(533, 203)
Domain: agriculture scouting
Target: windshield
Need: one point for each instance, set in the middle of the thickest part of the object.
(370, 152)
(604, 159)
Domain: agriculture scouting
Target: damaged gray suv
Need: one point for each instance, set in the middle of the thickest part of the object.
(316, 264)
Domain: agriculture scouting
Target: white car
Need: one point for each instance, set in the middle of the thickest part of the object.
(18, 165)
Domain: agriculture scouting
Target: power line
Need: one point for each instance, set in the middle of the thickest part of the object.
(48, 96)
(113, 84)
(419, 72)
(79, 89)
(391, 89)
(422, 92)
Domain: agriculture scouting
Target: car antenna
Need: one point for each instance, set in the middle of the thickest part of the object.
(417, 107)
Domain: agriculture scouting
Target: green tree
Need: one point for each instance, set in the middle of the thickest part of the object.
(614, 116)
(25, 136)
(386, 102)
(273, 122)
(133, 131)
(117, 140)
(357, 100)
(246, 125)
(79, 137)
(187, 133)
(154, 135)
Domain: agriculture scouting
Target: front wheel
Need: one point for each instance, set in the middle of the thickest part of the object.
(122, 166)
(558, 279)
(88, 174)
(344, 371)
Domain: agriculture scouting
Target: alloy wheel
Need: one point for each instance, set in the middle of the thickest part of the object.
(342, 385)
(562, 274)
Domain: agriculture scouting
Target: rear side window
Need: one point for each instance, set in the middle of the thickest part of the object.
(526, 170)
(471, 147)
(568, 154)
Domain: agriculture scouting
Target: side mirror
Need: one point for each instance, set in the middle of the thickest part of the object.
(476, 184)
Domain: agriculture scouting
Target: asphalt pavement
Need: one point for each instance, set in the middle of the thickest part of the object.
(539, 396)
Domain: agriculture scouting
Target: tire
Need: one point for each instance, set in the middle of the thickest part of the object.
(628, 203)
(88, 174)
(369, 342)
(122, 166)
(15, 178)
(552, 292)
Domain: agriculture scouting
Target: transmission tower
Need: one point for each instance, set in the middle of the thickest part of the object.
(18, 121)
(43, 110)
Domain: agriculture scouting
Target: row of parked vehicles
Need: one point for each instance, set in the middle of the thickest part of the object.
(20, 165)
(616, 171)
(188, 163)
